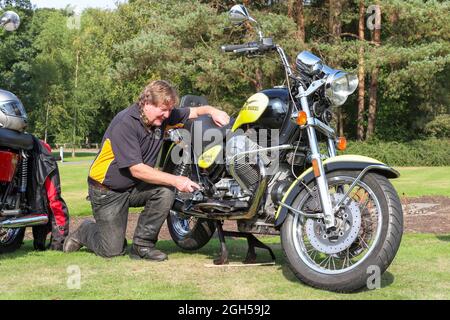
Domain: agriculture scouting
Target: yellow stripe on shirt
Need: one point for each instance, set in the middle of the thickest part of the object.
(101, 165)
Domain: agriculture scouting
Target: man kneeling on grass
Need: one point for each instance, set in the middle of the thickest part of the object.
(123, 176)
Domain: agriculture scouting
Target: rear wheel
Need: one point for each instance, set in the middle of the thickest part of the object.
(189, 233)
(11, 239)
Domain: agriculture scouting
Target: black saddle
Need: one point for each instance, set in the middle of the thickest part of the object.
(204, 127)
(15, 140)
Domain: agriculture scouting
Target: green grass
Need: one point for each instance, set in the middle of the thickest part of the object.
(74, 187)
(79, 156)
(420, 271)
(423, 181)
(413, 182)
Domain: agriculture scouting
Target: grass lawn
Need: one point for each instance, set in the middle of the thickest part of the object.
(79, 156)
(420, 271)
(429, 181)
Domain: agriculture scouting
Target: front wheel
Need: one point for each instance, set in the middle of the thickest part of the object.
(11, 239)
(368, 234)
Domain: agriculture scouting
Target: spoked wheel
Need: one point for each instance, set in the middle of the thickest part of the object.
(189, 233)
(11, 239)
(368, 233)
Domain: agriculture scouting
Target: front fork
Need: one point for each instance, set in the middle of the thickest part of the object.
(321, 179)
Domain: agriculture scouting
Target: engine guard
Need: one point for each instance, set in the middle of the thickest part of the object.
(346, 162)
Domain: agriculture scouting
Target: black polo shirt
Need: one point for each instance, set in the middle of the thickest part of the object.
(128, 142)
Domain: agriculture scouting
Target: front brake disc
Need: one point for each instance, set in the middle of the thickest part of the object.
(346, 233)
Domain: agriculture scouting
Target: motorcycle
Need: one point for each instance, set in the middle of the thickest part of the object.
(339, 217)
(15, 151)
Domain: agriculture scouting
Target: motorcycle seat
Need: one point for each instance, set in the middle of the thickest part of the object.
(191, 101)
(15, 140)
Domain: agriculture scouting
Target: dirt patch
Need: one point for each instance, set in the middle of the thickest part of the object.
(132, 222)
(429, 214)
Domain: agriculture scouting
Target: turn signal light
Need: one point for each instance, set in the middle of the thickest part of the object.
(341, 143)
(302, 118)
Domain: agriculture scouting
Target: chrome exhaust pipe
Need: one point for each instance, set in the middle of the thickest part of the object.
(26, 221)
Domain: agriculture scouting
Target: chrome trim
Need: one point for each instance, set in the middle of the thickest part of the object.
(313, 87)
(358, 178)
(284, 60)
(321, 181)
(308, 63)
(260, 192)
(232, 160)
(26, 221)
(322, 127)
(306, 215)
(331, 147)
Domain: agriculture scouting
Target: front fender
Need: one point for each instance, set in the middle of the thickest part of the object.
(346, 162)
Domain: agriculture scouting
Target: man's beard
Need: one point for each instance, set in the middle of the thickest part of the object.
(156, 131)
(144, 119)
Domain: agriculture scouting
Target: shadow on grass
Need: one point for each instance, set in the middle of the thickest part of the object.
(386, 279)
(443, 237)
(237, 250)
(25, 250)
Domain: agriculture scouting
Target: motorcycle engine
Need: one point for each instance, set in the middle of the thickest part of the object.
(242, 162)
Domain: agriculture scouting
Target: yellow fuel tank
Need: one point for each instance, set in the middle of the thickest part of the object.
(252, 110)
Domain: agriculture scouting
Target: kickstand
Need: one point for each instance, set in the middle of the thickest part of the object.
(252, 241)
(223, 257)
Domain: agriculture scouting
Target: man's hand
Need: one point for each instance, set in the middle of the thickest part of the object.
(153, 176)
(185, 184)
(220, 118)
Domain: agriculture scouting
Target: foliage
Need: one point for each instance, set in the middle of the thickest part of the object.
(431, 152)
(439, 127)
(73, 81)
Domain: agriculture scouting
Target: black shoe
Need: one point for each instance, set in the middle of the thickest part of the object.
(72, 242)
(147, 253)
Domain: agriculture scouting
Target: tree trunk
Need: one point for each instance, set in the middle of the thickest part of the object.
(335, 26)
(259, 80)
(295, 12)
(300, 22)
(361, 75)
(291, 5)
(376, 38)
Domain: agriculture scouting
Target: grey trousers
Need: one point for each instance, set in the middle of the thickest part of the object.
(106, 235)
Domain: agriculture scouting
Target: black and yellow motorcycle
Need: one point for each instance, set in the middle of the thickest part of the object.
(339, 217)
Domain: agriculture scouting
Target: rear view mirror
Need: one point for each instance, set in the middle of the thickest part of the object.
(239, 14)
(10, 21)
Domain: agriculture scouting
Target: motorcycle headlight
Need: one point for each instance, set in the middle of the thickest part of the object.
(339, 86)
